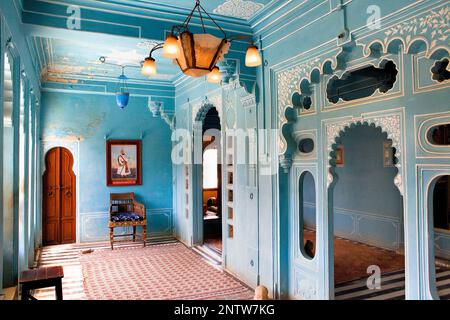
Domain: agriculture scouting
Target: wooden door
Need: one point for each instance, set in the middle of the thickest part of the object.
(59, 190)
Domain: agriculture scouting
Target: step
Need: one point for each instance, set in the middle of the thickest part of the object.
(8, 95)
(8, 85)
(7, 75)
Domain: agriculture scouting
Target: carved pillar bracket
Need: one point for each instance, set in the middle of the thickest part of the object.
(286, 162)
(169, 117)
(158, 110)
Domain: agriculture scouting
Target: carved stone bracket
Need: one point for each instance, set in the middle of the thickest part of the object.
(169, 117)
(158, 110)
(390, 124)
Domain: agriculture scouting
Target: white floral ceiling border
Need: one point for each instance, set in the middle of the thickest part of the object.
(243, 9)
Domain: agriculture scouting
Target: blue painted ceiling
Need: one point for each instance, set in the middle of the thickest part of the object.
(70, 57)
(71, 60)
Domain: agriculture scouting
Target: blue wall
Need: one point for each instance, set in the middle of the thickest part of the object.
(301, 49)
(367, 204)
(87, 119)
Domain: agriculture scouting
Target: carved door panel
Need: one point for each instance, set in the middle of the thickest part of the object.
(59, 212)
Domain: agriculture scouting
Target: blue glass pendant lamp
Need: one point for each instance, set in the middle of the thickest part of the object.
(122, 94)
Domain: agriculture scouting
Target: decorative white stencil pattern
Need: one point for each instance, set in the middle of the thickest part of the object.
(306, 288)
(238, 8)
(436, 24)
(287, 82)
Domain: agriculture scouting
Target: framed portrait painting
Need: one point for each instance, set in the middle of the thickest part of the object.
(340, 156)
(123, 163)
(388, 154)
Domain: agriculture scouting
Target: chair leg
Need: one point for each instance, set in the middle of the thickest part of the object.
(144, 234)
(58, 289)
(134, 233)
(111, 237)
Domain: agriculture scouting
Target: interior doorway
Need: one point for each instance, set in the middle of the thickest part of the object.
(59, 198)
(440, 201)
(368, 219)
(212, 182)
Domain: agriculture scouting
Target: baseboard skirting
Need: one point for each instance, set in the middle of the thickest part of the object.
(94, 225)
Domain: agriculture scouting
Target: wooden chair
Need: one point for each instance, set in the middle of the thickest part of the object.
(125, 211)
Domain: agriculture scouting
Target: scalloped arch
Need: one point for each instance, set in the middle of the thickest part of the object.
(439, 53)
(418, 44)
(391, 125)
(371, 47)
(203, 111)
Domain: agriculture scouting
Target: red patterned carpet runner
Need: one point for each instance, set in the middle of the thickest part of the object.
(164, 271)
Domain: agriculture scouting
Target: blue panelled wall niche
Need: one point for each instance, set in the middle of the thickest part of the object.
(304, 95)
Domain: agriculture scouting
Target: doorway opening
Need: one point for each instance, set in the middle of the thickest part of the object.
(59, 198)
(212, 182)
(440, 202)
(367, 213)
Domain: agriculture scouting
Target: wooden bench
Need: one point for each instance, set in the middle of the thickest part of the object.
(41, 278)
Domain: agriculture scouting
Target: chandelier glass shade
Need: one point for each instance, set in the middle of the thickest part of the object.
(214, 75)
(198, 54)
(171, 47)
(252, 57)
(149, 67)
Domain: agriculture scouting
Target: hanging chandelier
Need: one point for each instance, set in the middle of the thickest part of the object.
(197, 55)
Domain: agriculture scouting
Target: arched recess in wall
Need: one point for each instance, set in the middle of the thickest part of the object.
(367, 208)
(439, 135)
(439, 234)
(307, 215)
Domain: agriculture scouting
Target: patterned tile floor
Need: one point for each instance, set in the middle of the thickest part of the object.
(74, 289)
(163, 270)
(392, 287)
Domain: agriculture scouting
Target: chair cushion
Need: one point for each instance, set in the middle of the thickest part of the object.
(126, 216)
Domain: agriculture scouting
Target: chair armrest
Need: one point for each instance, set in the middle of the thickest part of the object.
(139, 208)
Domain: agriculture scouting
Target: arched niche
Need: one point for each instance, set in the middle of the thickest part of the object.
(439, 135)
(307, 212)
